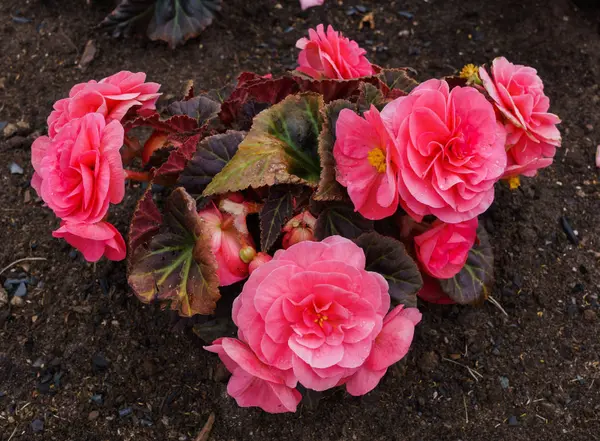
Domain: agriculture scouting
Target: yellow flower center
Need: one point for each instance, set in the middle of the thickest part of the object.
(377, 159)
(320, 319)
(514, 182)
(469, 71)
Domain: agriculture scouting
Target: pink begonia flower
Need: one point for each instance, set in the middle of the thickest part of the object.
(305, 4)
(432, 292)
(253, 383)
(331, 55)
(443, 250)
(226, 242)
(80, 172)
(366, 163)
(299, 228)
(451, 151)
(112, 97)
(518, 93)
(260, 259)
(315, 313)
(389, 347)
(93, 240)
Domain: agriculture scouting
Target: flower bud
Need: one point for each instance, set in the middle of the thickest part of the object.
(259, 260)
(298, 229)
(247, 254)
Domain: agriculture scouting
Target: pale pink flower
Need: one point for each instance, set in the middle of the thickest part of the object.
(299, 228)
(443, 249)
(112, 97)
(331, 55)
(80, 172)
(389, 347)
(226, 242)
(253, 383)
(518, 93)
(366, 163)
(315, 313)
(305, 4)
(450, 151)
(93, 240)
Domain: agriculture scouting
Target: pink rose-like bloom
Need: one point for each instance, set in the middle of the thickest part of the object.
(451, 151)
(331, 55)
(299, 228)
(315, 314)
(518, 93)
(253, 383)
(226, 244)
(93, 240)
(80, 172)
(443, 250)
(366, 156)
(258, 261)
(305, 4)
(112, 97)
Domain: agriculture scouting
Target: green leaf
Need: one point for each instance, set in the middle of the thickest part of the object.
(388, 257)
(212, 154)
(329, 189)
(176, 21)
(281, 148)
(473, 282)
(398, 81)
(340, 219)
(176, 265)
(370, 95)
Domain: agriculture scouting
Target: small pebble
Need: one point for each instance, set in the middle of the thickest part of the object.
(17, 302)
(504, 382)
(361, 8)
(21, 20)
(406, 15)
(97, 399)
(37, 426)
(15, 169)
(513, 421)
(146, 423)
(589, 315)
(125, 412)
(21, 290)
(94, 414)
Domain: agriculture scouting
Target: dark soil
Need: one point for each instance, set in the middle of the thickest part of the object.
(87, 361)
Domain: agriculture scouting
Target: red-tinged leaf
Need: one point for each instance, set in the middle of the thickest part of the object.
(397, 82)
(329, 189)
(472, 284)
(168, 172)
(281, 148)
(388, 257)
(252, 95)
(333, 89)
(278, 208)
(211, 155)
(145, 222)
(179, 124)
(177, 266)
(201, 108)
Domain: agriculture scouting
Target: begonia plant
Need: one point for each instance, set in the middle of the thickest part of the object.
(312, 208)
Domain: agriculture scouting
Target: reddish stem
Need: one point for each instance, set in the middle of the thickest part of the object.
(131, 150)
(137, 175)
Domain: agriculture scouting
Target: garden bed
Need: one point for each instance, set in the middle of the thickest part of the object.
(89, 361)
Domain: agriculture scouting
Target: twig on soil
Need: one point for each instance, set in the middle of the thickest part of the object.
(466, 411)
(25, 259)
(205, 432)
(473, 372)
(12, 434)
(495, 302)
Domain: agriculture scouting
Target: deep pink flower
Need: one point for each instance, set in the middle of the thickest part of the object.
(451, 151)
(432, 292)
(315, 313)
(518, 93)
(389, 347)
(366, 156)
(305, 4)
(112, 97)
(79, 172)
(258, 261)
(299, 228)
(443, 250)
(331, 55)
(226, 242)
(253, 383)
(93, 240)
